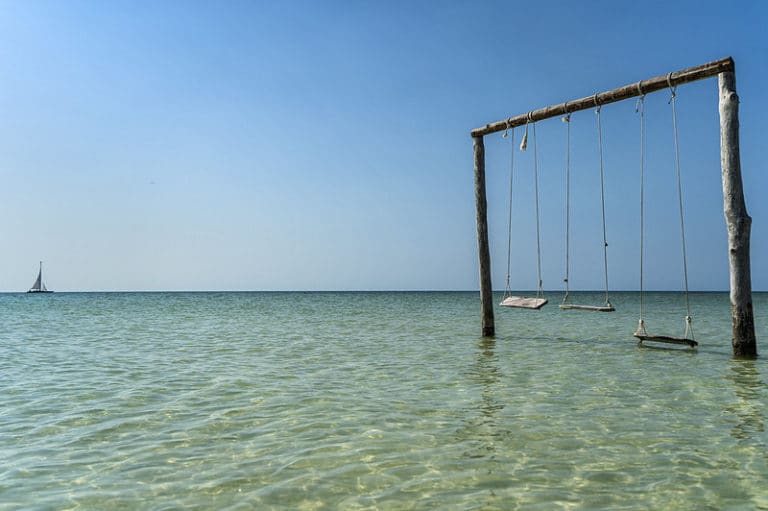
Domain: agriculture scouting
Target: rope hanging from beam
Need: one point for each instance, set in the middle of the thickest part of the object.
(688, 319)
(602, 203)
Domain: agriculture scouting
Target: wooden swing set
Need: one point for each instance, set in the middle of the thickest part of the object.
(737, 219)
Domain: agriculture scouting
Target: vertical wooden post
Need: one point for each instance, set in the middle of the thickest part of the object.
(483, 250)
(737, 219)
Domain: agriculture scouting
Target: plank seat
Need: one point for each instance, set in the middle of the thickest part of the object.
(523, 302)
(667, 339)
(600, 308)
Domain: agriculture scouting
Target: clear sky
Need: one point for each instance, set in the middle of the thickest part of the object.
(324, 145)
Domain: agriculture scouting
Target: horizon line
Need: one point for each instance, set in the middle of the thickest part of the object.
(524, 292)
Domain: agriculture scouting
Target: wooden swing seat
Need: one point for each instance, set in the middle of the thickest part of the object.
(600, 308)
(523, 302)
(667, 339)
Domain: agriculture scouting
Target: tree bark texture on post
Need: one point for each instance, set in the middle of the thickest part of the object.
(483, 250)
(737, 219)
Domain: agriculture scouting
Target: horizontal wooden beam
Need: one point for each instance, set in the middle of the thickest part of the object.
(612, 96)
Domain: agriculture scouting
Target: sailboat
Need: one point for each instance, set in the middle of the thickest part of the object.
(38, 286)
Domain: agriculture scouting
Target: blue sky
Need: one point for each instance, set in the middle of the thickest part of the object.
(325, 145)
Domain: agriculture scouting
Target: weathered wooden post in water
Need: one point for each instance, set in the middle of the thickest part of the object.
(483, 250)
(736, 217)
(739, 222)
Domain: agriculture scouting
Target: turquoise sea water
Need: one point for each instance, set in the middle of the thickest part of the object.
(374, 401)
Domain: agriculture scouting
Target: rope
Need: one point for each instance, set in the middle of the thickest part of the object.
(524, 141)
(567, 121)
(508, 290)
(539, 291)
(640, 107)
(602, 202)
(688, 320)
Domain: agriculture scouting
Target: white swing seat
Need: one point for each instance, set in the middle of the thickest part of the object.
(597, 308)
(523, 302)
(667, 339)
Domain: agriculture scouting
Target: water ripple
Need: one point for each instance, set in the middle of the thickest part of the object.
(367, 401)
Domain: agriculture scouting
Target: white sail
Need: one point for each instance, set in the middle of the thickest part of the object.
(38, 286)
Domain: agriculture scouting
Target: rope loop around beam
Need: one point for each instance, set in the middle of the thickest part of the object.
(672, 88)
(506, 131)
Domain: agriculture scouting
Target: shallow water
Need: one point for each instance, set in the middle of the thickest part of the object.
(373, 401)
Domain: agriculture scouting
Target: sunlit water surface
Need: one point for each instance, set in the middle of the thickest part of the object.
(373, 401)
